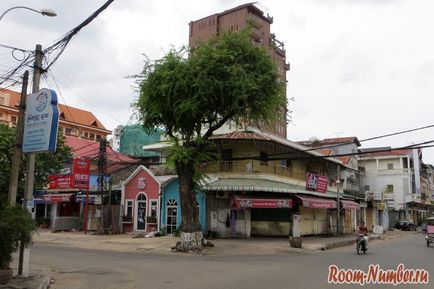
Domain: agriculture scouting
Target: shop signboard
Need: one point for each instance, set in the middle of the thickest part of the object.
(41, 122)
(316, 183)
(57, 198)
(60, 182)
(81, 173)
(245, 203)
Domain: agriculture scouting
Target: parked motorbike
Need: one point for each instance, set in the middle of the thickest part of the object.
(361, 244)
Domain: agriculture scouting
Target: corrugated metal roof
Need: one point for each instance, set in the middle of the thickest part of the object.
(261, 185)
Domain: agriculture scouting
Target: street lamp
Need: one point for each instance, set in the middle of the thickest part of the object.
(44, 12)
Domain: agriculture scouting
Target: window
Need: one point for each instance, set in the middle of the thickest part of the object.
(405, 163)
(98, 137)
(92, 136)
(86, 135)
(13, 119)
(367, 188)
(68, 131)
(285, 163)
(263, 157)
(390, 166)
(389, 189)
(154, 207)
(129, 208)
(1, 114)
(2, 100)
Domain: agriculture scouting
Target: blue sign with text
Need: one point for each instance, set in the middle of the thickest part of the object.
(41, 122)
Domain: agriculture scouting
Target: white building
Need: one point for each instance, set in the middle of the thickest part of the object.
(392, 182)
(116, 140)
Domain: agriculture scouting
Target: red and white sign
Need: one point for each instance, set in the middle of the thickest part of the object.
(316, 183)
(57, 198)
(81, 173)
(244, 203)
(350, 205)
(60, 182)
(317, 203)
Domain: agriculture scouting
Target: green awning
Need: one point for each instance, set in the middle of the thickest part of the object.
(261, 185)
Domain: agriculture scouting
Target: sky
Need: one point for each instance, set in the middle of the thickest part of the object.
(360, 68)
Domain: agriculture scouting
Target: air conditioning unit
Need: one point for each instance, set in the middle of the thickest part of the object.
(222, 195)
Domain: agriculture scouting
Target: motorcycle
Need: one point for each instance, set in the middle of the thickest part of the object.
(429, 237)
(361, 244)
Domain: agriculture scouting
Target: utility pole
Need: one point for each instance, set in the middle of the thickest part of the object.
(338, 184)
(101, 178)
(16, 158)
(30, 163)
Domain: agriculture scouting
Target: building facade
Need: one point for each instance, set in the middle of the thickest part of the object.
(73, 121)
(236, 19)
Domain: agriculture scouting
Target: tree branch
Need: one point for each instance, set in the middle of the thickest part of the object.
(218, 125)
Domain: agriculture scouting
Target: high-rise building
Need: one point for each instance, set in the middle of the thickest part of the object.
(238, 18)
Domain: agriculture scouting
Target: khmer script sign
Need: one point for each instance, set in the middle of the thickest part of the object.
(41, 122)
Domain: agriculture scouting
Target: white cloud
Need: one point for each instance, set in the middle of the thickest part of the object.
(358, 67)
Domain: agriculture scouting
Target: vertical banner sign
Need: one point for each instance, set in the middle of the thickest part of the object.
(81, 173)
(41, 122)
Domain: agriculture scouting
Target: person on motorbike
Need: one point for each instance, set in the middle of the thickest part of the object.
(362, 230)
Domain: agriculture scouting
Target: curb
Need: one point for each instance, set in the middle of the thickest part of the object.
(45, 283)
(347, 242)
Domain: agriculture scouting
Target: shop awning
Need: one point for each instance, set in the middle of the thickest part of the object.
(243, 202)
(350, 205)
(317, 203)
(56, 198)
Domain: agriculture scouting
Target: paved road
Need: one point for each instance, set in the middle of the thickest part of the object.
(76, 268)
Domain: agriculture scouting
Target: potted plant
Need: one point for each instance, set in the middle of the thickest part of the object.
(16, 225)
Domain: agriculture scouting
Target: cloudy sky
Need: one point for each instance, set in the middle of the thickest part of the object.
(358, 67)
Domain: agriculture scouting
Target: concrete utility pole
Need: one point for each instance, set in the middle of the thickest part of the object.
(338, 184)
(30, 164)
(16, 158)
(101, 178)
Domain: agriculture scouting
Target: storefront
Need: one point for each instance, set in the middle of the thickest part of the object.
(65, 212)
(253, 215)
(350, 209)
(318, 215)
(171, 206)
(140, 198)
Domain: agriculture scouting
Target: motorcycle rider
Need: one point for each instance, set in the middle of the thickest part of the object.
(362, 230)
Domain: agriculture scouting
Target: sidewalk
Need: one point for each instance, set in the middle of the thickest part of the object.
(33, 282)
(162, 245)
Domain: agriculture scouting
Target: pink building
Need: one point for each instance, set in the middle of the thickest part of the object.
(141, 201)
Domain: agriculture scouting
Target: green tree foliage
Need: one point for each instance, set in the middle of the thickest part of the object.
(16, 225)
(46, 163)
(227, 78)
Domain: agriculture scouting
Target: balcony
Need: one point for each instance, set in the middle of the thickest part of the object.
(252, 167)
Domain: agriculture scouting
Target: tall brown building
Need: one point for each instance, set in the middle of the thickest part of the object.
(235, 19)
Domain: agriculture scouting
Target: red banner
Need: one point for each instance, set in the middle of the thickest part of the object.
(316, 183)
(60, 182)
(81, 173)
(243, 203)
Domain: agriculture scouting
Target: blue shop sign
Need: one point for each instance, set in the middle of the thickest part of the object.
(41, 122)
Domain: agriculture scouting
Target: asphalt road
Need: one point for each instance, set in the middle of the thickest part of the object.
(77, 268)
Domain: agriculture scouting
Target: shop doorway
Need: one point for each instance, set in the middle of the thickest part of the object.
(141, 212)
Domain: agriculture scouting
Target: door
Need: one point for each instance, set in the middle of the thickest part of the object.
(171, 216)
(141, 212)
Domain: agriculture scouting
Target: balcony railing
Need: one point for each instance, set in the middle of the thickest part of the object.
(252, 167)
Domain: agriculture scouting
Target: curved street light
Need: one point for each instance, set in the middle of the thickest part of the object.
(44, 12)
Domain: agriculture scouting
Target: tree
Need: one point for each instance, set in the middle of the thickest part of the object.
(225, 79)
(46, 163)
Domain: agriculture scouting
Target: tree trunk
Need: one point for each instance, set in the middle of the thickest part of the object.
(191, 233)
